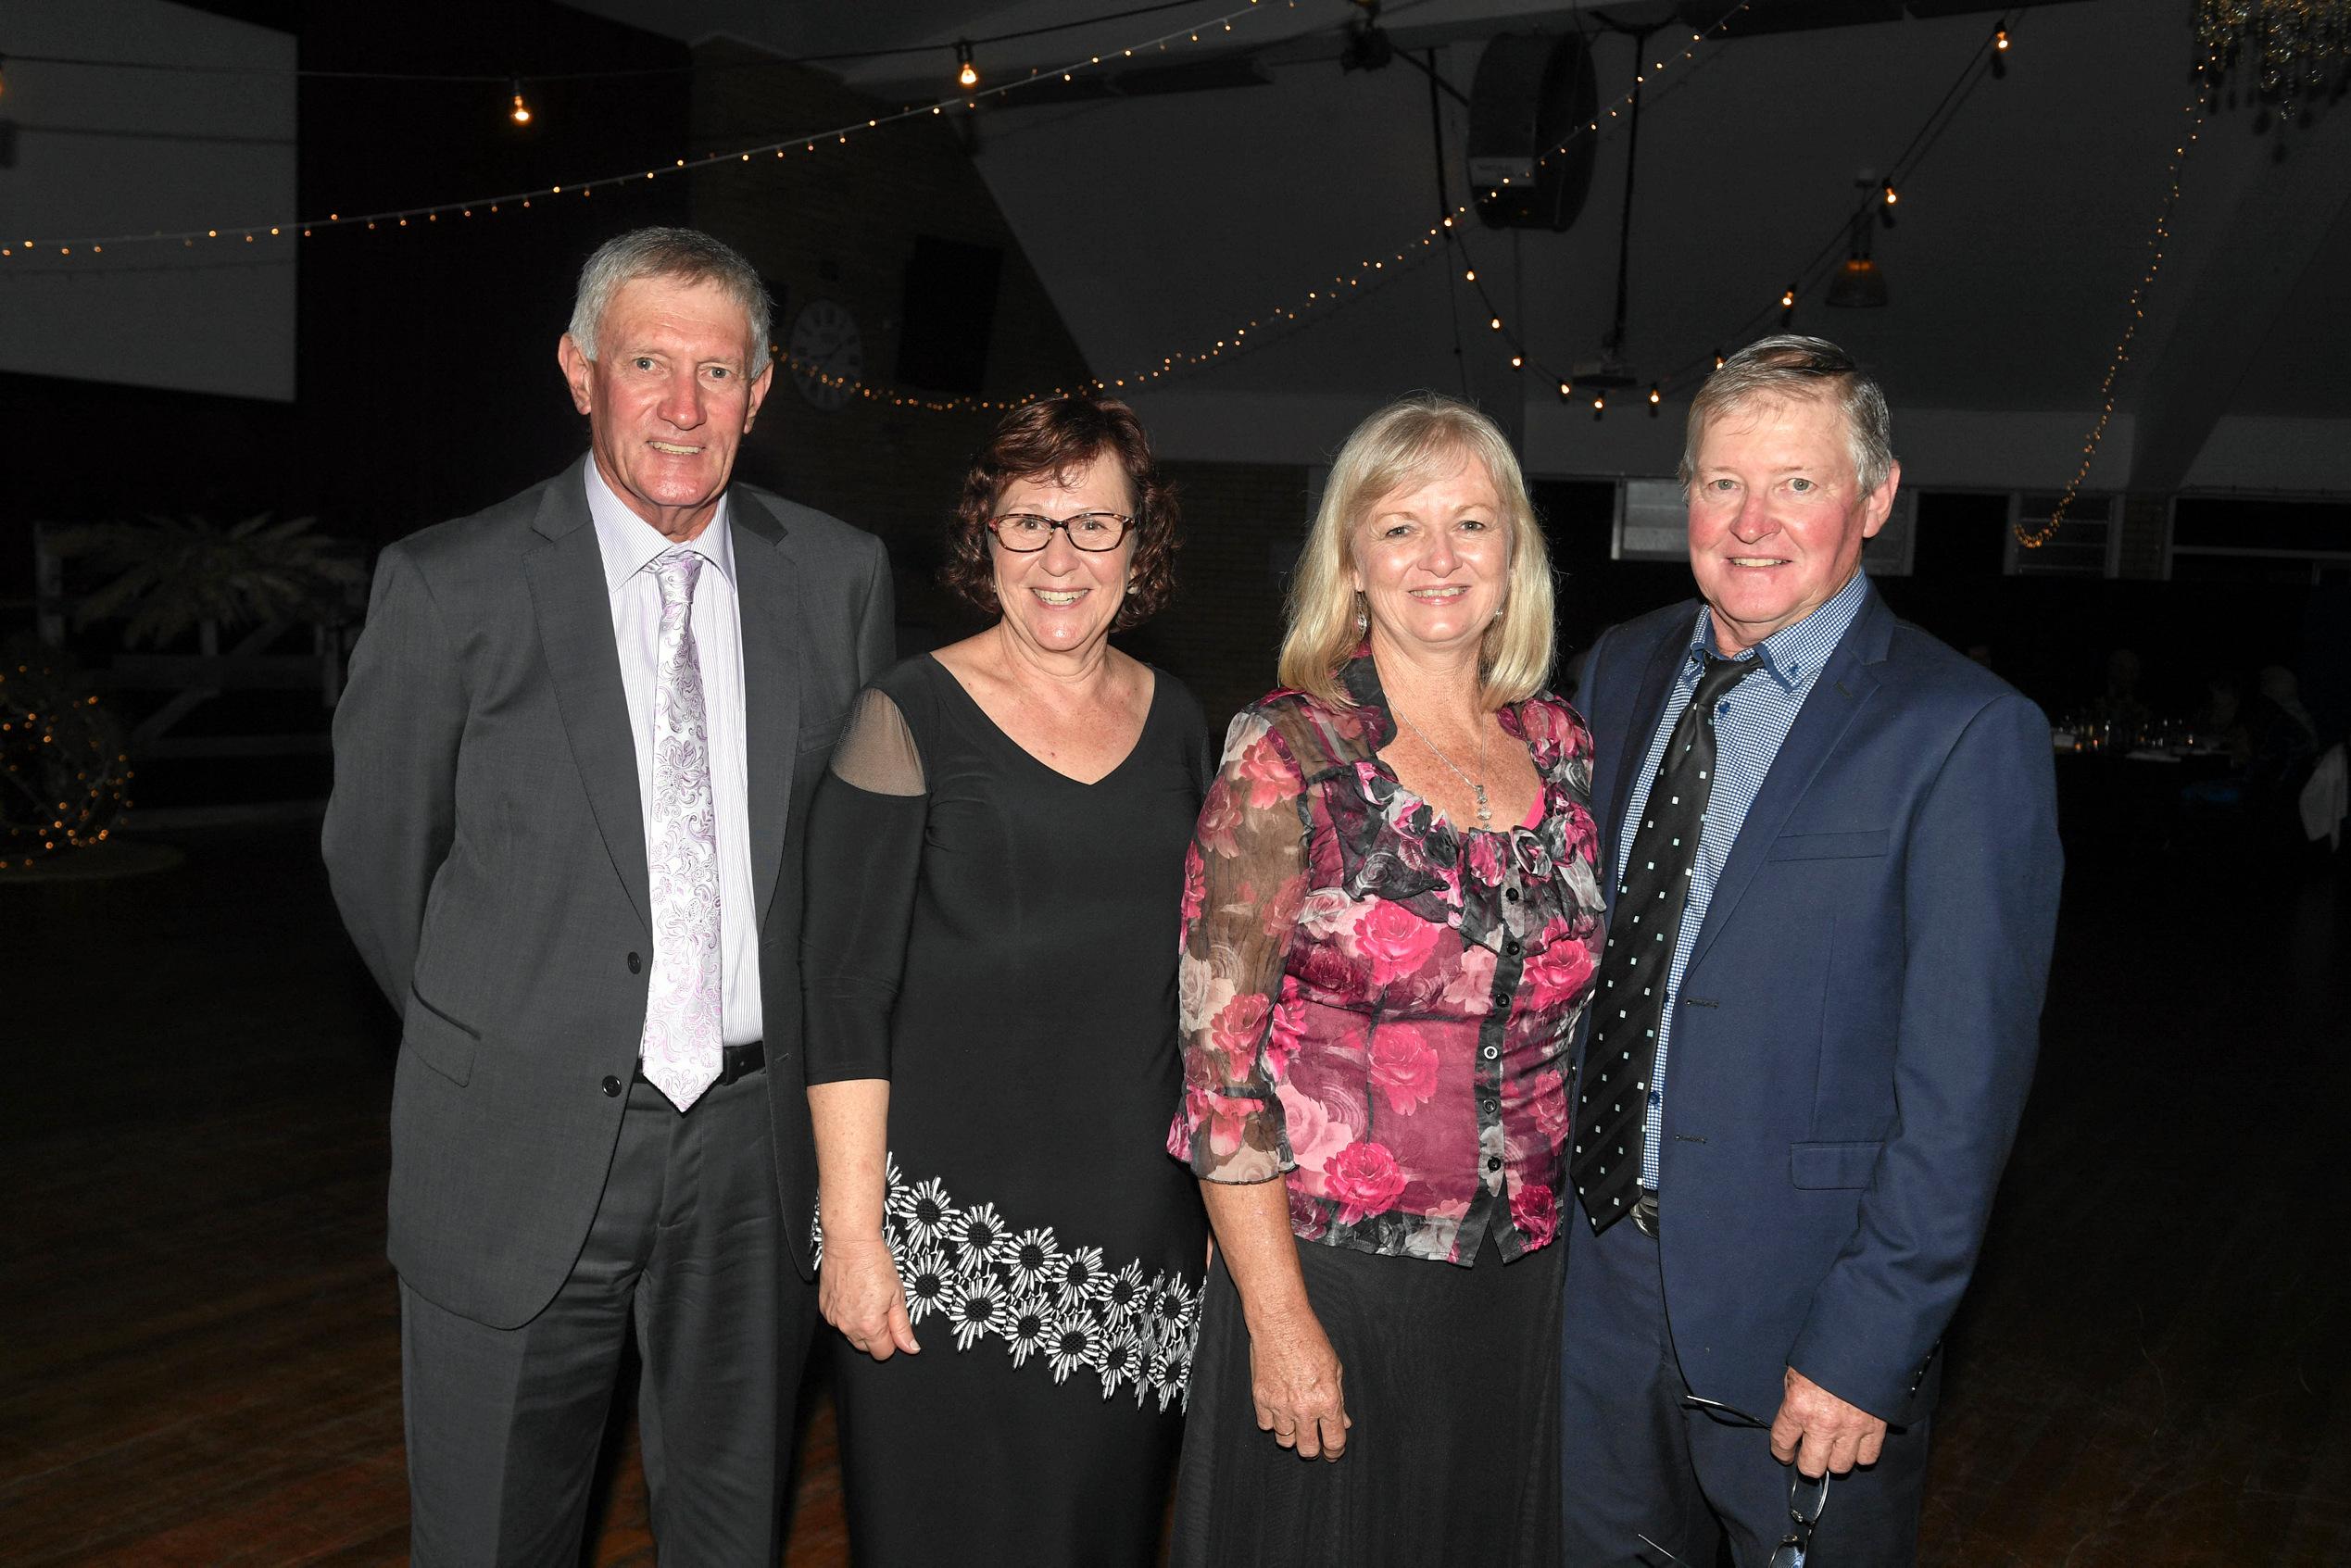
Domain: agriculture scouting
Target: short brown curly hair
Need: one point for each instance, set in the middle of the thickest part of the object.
(1058, 436)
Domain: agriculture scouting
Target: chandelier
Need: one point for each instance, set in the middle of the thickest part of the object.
(2298, 50)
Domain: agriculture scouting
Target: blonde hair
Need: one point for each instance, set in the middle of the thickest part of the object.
(1419, 438)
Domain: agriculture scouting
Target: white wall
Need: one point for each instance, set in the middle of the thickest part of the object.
(106, 152)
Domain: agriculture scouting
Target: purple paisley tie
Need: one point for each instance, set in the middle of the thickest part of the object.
(681, 1049)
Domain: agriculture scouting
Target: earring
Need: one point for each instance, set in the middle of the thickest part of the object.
(1363, 623)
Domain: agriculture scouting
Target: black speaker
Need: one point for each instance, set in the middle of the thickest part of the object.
(1534, 98)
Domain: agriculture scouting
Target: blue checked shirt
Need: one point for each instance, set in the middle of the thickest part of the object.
(1750, 726)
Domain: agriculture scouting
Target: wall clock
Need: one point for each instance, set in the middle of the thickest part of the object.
(827, 354)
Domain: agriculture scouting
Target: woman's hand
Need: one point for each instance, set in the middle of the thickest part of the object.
(859, 1293)
(1294, 1379)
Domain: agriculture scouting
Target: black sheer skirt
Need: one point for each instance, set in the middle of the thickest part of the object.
(1452, 1376)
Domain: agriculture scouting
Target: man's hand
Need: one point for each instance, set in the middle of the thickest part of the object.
(1822, 1433)
(859, 1293)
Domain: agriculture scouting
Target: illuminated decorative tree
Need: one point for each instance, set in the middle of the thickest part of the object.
(65, 777)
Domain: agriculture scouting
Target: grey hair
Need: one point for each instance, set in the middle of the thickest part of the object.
(688, 255)
(1787, 365)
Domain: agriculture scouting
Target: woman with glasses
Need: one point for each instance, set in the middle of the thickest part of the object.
(1391, 916)
(995, 863)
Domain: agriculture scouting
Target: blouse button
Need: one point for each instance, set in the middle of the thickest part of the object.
(1492, 1051)
(1511, 894)
(1494, 1163)
(1511, 947)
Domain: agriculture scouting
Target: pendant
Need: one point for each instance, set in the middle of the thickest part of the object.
(1485, 812)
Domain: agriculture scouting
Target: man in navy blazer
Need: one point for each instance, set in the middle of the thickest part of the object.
(1834, 1074)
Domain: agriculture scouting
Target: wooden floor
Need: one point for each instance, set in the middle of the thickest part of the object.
(198, 1335)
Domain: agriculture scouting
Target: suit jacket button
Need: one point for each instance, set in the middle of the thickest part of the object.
(613, 1085)
(635, 964)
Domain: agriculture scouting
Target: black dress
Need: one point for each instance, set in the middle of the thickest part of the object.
(999, 942)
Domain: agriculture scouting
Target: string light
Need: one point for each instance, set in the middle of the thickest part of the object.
(1891, 196)
(2033, 538)
(2000, 39)
(521, 112)
(1656, 399)
(838, 136)
(966, 73)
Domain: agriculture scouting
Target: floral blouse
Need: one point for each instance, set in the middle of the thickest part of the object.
(1374, 1002)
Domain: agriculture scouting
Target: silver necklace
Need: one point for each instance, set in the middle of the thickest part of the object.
(1485, 812)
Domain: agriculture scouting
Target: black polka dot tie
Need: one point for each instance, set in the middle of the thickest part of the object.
(1612, 1092)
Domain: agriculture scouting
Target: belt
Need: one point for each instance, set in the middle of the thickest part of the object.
(735, 1062)
(1644, 1214)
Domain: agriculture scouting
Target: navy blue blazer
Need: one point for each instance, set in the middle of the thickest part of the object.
(1859, 1018)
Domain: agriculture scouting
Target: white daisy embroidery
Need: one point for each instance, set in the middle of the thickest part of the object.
(981, 1237)
(975, 1306)
(1075, 1342)
(1083, 1278)
(1028, 1320)
(1035, 1260)
(926, 1278)
(924, 1214)
(1064, 1307)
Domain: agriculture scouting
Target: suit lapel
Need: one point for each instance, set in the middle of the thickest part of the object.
(1844, 685)
(1658, 673)
(574, 611)
(768, 596)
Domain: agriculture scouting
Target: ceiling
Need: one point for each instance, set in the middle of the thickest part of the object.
(1161, 223)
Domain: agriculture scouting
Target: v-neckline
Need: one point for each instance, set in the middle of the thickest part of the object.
(1151, 711)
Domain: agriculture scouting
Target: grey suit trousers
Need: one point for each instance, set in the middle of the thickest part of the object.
(504, 1425)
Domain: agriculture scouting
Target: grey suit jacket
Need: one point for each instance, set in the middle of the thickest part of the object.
(485, 845)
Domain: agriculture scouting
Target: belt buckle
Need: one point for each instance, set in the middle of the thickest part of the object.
(1644, 1214)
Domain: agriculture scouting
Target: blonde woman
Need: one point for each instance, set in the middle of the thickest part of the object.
(1391, 919)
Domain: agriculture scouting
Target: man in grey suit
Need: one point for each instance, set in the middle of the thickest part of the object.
(571, 769)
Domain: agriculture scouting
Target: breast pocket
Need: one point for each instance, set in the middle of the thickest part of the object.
(1829, 846)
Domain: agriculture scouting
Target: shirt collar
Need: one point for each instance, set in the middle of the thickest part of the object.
(630, 544)
(1796, 653)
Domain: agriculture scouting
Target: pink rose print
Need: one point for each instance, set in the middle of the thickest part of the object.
(1268, 772)
(1403, 1069)
(1195, 883)
(1485, 861)
(1394, 941)
(1314, 1133)
(1219, 815)
(1536, 1213)
(1224, 1121)
(1557, 975)
(1282, 1039)
(1236, 1028)
(1283, 908)
(1548, 1099)
(1306, 1217)
(1579, 835)
(1364, 1180)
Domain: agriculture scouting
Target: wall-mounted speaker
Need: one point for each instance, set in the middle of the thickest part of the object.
(1529, 153)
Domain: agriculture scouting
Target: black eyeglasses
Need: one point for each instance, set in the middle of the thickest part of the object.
(1024, 532)
(1808, 1495)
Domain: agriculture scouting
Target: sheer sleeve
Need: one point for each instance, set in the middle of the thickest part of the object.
(1244, 880)
(864, 852)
